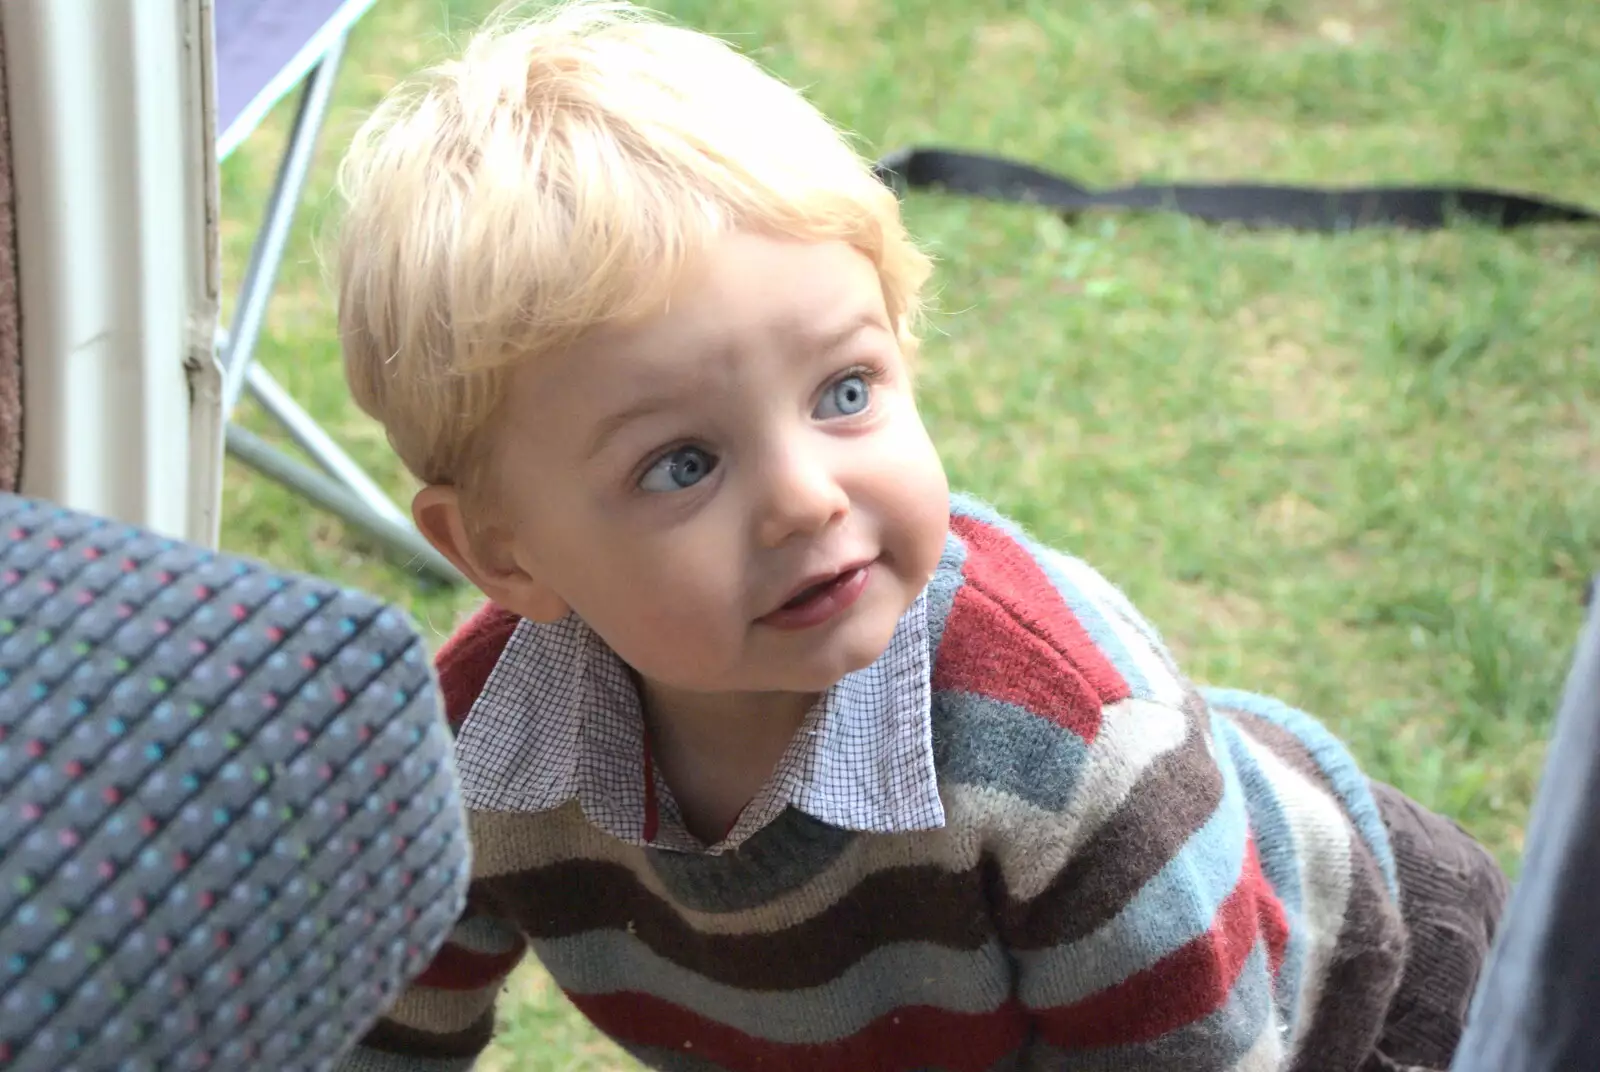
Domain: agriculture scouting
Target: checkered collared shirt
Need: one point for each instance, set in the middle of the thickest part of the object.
(559, 719)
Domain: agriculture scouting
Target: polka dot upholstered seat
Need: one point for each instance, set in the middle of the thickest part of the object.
(229, 828)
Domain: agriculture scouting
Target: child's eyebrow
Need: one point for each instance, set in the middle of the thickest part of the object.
(864, 320)
(824, 342)
(612, 423)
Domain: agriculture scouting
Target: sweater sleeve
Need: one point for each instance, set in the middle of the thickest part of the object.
(446, 1018)
(1143, 931)
(1196, 899)
(1178, 885)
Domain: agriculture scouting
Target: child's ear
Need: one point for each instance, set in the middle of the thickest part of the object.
(487, 559)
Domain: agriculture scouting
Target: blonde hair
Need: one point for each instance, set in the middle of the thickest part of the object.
(558, 176)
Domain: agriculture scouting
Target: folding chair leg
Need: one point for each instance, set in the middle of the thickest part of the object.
(401, 540)
(350, 493)
(310, 437)
(267, 253)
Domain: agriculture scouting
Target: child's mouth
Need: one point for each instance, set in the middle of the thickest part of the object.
(816, 603)
(808, 594)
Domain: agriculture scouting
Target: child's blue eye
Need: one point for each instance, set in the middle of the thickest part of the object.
(682, 468)
(845, 398)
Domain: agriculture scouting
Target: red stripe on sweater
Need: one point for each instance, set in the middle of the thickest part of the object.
(1274, 921)
(913, 1037)
(456, 967)
(465, 661)
(463, 664)
(1011, 637)
(1003, 568)
(985, 652)
(1186, 985)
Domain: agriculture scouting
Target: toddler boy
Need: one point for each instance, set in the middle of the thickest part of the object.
(777, 754)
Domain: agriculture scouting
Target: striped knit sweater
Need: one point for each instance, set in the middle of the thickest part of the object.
(1132, 874)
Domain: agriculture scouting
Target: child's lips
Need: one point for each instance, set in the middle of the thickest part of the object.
(817, 601)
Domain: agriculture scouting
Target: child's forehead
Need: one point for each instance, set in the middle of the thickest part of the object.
(604, 383)
(813, 292)
(799, 301)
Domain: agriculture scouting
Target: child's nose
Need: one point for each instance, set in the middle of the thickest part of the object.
(800, 496)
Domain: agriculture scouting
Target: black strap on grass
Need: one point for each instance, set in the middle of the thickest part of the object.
(1261, 205)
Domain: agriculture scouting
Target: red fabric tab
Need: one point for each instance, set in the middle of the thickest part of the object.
(652, 800)
(652, 806)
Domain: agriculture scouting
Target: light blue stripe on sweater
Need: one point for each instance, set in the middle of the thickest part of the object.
(964, 504)
(1091, 615)
(941, 592)
(1275, 845)
(891, 977)
(997, 745)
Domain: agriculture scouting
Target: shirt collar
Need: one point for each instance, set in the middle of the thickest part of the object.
(559, 720)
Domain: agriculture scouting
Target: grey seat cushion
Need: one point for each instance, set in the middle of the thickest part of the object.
(229, 827)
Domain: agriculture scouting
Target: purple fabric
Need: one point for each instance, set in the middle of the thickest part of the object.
(258, 39)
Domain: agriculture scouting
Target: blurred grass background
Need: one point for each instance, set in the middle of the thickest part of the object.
(1361, 472)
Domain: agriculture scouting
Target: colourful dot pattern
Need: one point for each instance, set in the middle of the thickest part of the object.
(229, 827)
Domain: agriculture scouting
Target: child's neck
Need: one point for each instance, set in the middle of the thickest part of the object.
(716, 750)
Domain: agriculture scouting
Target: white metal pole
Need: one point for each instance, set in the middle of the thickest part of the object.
(112, 127)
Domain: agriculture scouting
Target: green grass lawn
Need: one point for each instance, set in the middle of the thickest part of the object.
(1359, 472)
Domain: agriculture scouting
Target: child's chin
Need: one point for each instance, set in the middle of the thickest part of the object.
(856, 650)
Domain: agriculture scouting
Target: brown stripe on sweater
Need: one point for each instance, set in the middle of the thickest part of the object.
(901, 904)
(1363, 973)
(1171, 800)
(387, 1036)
